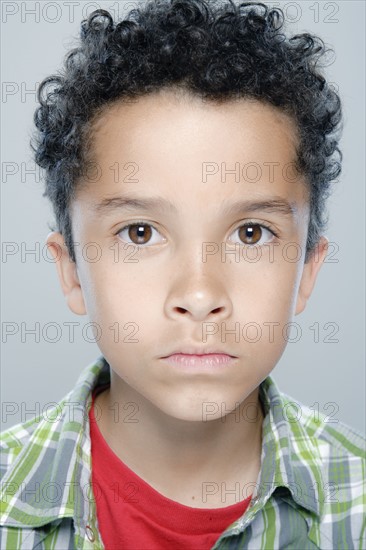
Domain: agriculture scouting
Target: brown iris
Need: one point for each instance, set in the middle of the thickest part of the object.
(139, 231)
(250, 234)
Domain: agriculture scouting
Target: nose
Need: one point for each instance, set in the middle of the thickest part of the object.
(198, 296)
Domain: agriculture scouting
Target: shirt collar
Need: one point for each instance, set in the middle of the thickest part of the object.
(61, 464)
(290, 455)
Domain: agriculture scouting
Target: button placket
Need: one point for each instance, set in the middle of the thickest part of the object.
(90, 533)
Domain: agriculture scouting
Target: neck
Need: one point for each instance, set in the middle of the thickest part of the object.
(160, 448)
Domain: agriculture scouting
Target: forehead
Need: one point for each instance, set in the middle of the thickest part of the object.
(177, 113)
(174, 140)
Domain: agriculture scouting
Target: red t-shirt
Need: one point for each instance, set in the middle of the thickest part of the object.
(132, 515)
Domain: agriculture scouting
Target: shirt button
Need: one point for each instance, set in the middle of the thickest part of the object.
(89, 533)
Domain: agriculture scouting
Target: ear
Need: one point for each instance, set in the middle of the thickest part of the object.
(310, 273)
(67, 273)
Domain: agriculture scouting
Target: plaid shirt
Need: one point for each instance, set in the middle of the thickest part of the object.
(310, 492)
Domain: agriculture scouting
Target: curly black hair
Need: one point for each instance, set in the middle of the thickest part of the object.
(215, 50)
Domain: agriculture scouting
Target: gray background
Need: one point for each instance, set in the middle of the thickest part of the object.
(323, 374)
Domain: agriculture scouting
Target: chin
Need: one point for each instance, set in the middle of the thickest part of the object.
(202, 411)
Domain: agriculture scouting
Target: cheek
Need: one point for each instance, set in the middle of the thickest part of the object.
(122, 295)
(279, 296)
(264, 305)
(268, 288)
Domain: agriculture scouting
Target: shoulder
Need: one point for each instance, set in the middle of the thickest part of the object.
(14, 439)
(26, 438)
(308, 426)
(325, 461)
(30, 453)
(337, 452)
(323, 441)
(65, 420)
(49, 450)
(327, 433)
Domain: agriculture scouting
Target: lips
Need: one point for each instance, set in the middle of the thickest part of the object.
(199, 351)
(198, 363)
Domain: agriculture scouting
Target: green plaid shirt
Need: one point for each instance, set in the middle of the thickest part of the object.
(310, 492)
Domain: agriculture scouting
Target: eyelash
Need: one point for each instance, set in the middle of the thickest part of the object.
(247, 223)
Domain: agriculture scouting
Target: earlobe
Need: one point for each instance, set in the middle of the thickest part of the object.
(310, 273)
(67, 273)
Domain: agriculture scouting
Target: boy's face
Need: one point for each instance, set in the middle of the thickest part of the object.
(199, 278)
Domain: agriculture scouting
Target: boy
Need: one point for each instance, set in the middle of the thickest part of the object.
(177, 436)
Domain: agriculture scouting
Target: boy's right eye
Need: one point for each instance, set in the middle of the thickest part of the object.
(138, 232)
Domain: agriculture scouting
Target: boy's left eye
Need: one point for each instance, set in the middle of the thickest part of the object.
(254, 234)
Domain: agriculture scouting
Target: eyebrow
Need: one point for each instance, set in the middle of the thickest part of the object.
(133, 203)
(157, 204)
(276, 205)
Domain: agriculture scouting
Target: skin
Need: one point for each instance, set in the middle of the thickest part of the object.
(169, 293)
